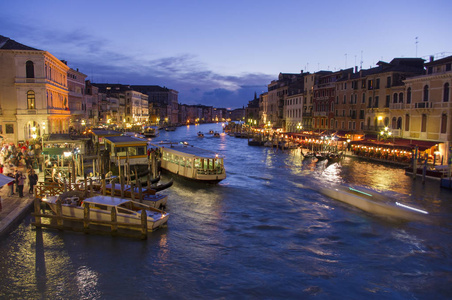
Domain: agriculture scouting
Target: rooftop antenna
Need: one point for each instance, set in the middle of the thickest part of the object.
(361, 62)
(355, 61)
(416, 42)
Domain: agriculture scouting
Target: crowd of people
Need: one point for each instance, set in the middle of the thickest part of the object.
(19, 162)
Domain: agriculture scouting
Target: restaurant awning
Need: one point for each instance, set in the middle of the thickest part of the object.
(55, 151)
(399, 143)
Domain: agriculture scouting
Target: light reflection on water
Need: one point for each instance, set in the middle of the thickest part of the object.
(263, 232)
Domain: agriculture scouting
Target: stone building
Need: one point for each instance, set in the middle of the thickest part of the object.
(33, 92)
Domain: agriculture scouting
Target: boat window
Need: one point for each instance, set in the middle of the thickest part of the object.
(98, 206)
(141, 150)
(132, 150)
(182, 162)
(121, 151)
(188, 163)
(197, 163)
(125, 211)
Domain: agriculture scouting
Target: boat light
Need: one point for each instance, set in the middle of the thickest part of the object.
(412, 208)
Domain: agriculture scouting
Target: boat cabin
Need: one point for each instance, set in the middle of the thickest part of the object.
(121, 148)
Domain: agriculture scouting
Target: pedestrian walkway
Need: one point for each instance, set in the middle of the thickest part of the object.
(14, 208)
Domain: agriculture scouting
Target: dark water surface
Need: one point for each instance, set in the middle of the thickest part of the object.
(262, 233)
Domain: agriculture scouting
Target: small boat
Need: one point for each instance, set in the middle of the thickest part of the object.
(211, 131)
(437, 172)
(150, 196)
(216, 134)
(200, 134)
(170, 128)
(150, 131)
(101, 207)
(373, 202)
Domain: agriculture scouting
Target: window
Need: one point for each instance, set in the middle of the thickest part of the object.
(364, 98)
(30, 69)
(31, 100)
(370, 85)
(394, 123)
(388, 100)
(424, 123)
(388, 81)
(9, 128)
(400, 97)
(407, 122)
(377, 84)
(369, 105)
(446, 92)
(426, 93)
(376, 101)
(444, 123)
(399, 123)
(448, 67)
(408, 95)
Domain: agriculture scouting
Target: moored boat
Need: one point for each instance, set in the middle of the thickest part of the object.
(192, 162)
(101, 207)
(200, 134)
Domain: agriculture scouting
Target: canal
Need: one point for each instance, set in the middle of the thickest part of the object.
(262, 233)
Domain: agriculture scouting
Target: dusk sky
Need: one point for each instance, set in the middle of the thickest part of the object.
(221, 52)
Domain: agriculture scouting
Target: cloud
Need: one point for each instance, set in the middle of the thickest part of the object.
(104, 62)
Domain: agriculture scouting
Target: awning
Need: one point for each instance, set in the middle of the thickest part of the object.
(55, 151)
(399, 143)
(4, 180)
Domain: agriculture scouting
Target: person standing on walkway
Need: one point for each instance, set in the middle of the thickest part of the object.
(32, 180)
(20, 184)
(11, 185)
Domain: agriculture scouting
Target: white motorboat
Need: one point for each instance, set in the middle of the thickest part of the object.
(373, 202)
(192, 162)
(127, 211)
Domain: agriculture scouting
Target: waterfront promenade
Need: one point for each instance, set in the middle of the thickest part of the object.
(14, 208)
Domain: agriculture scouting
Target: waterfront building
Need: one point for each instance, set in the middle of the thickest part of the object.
(263, 109)
(166, 100)
(324, 98)
(92, 105)
(252, 111)
(425, 113)
(77, 101)
(293, 107)
(310, 80)
(33, 92)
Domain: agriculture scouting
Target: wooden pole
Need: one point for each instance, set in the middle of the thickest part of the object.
(85, 180)
(91, 190)
(37, 206)
(59, 213)
(104, 188)
(144, 224)
(112, 188)
(114, 224)
(122, 186)
(132, 191)
(140, 191)
(86, 217)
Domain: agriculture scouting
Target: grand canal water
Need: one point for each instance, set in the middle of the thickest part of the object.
(262, 233)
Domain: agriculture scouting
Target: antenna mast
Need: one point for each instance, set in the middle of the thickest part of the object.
(416, 42)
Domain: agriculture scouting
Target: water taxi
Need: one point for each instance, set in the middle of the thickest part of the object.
(373, 202)
(101, 207)
(150, 131)
(200, 134)
(192, 162)
(123, 148)
(216, 134)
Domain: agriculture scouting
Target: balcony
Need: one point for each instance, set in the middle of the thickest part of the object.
(423, 105)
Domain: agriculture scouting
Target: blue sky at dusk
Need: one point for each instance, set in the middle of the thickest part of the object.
(221, 52)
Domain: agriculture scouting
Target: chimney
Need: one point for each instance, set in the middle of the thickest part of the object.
(356, 69)
(432, 58)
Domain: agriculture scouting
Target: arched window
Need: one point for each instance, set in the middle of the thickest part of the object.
(30, 69)
(443, 123)
(31, 100)
(400, 97)
(408, 95)
(394, 122)
(394, 98)
(407, 122)
(426, 93)
(399, 123)
(368, 122)
(386, 121)
(446, 92)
